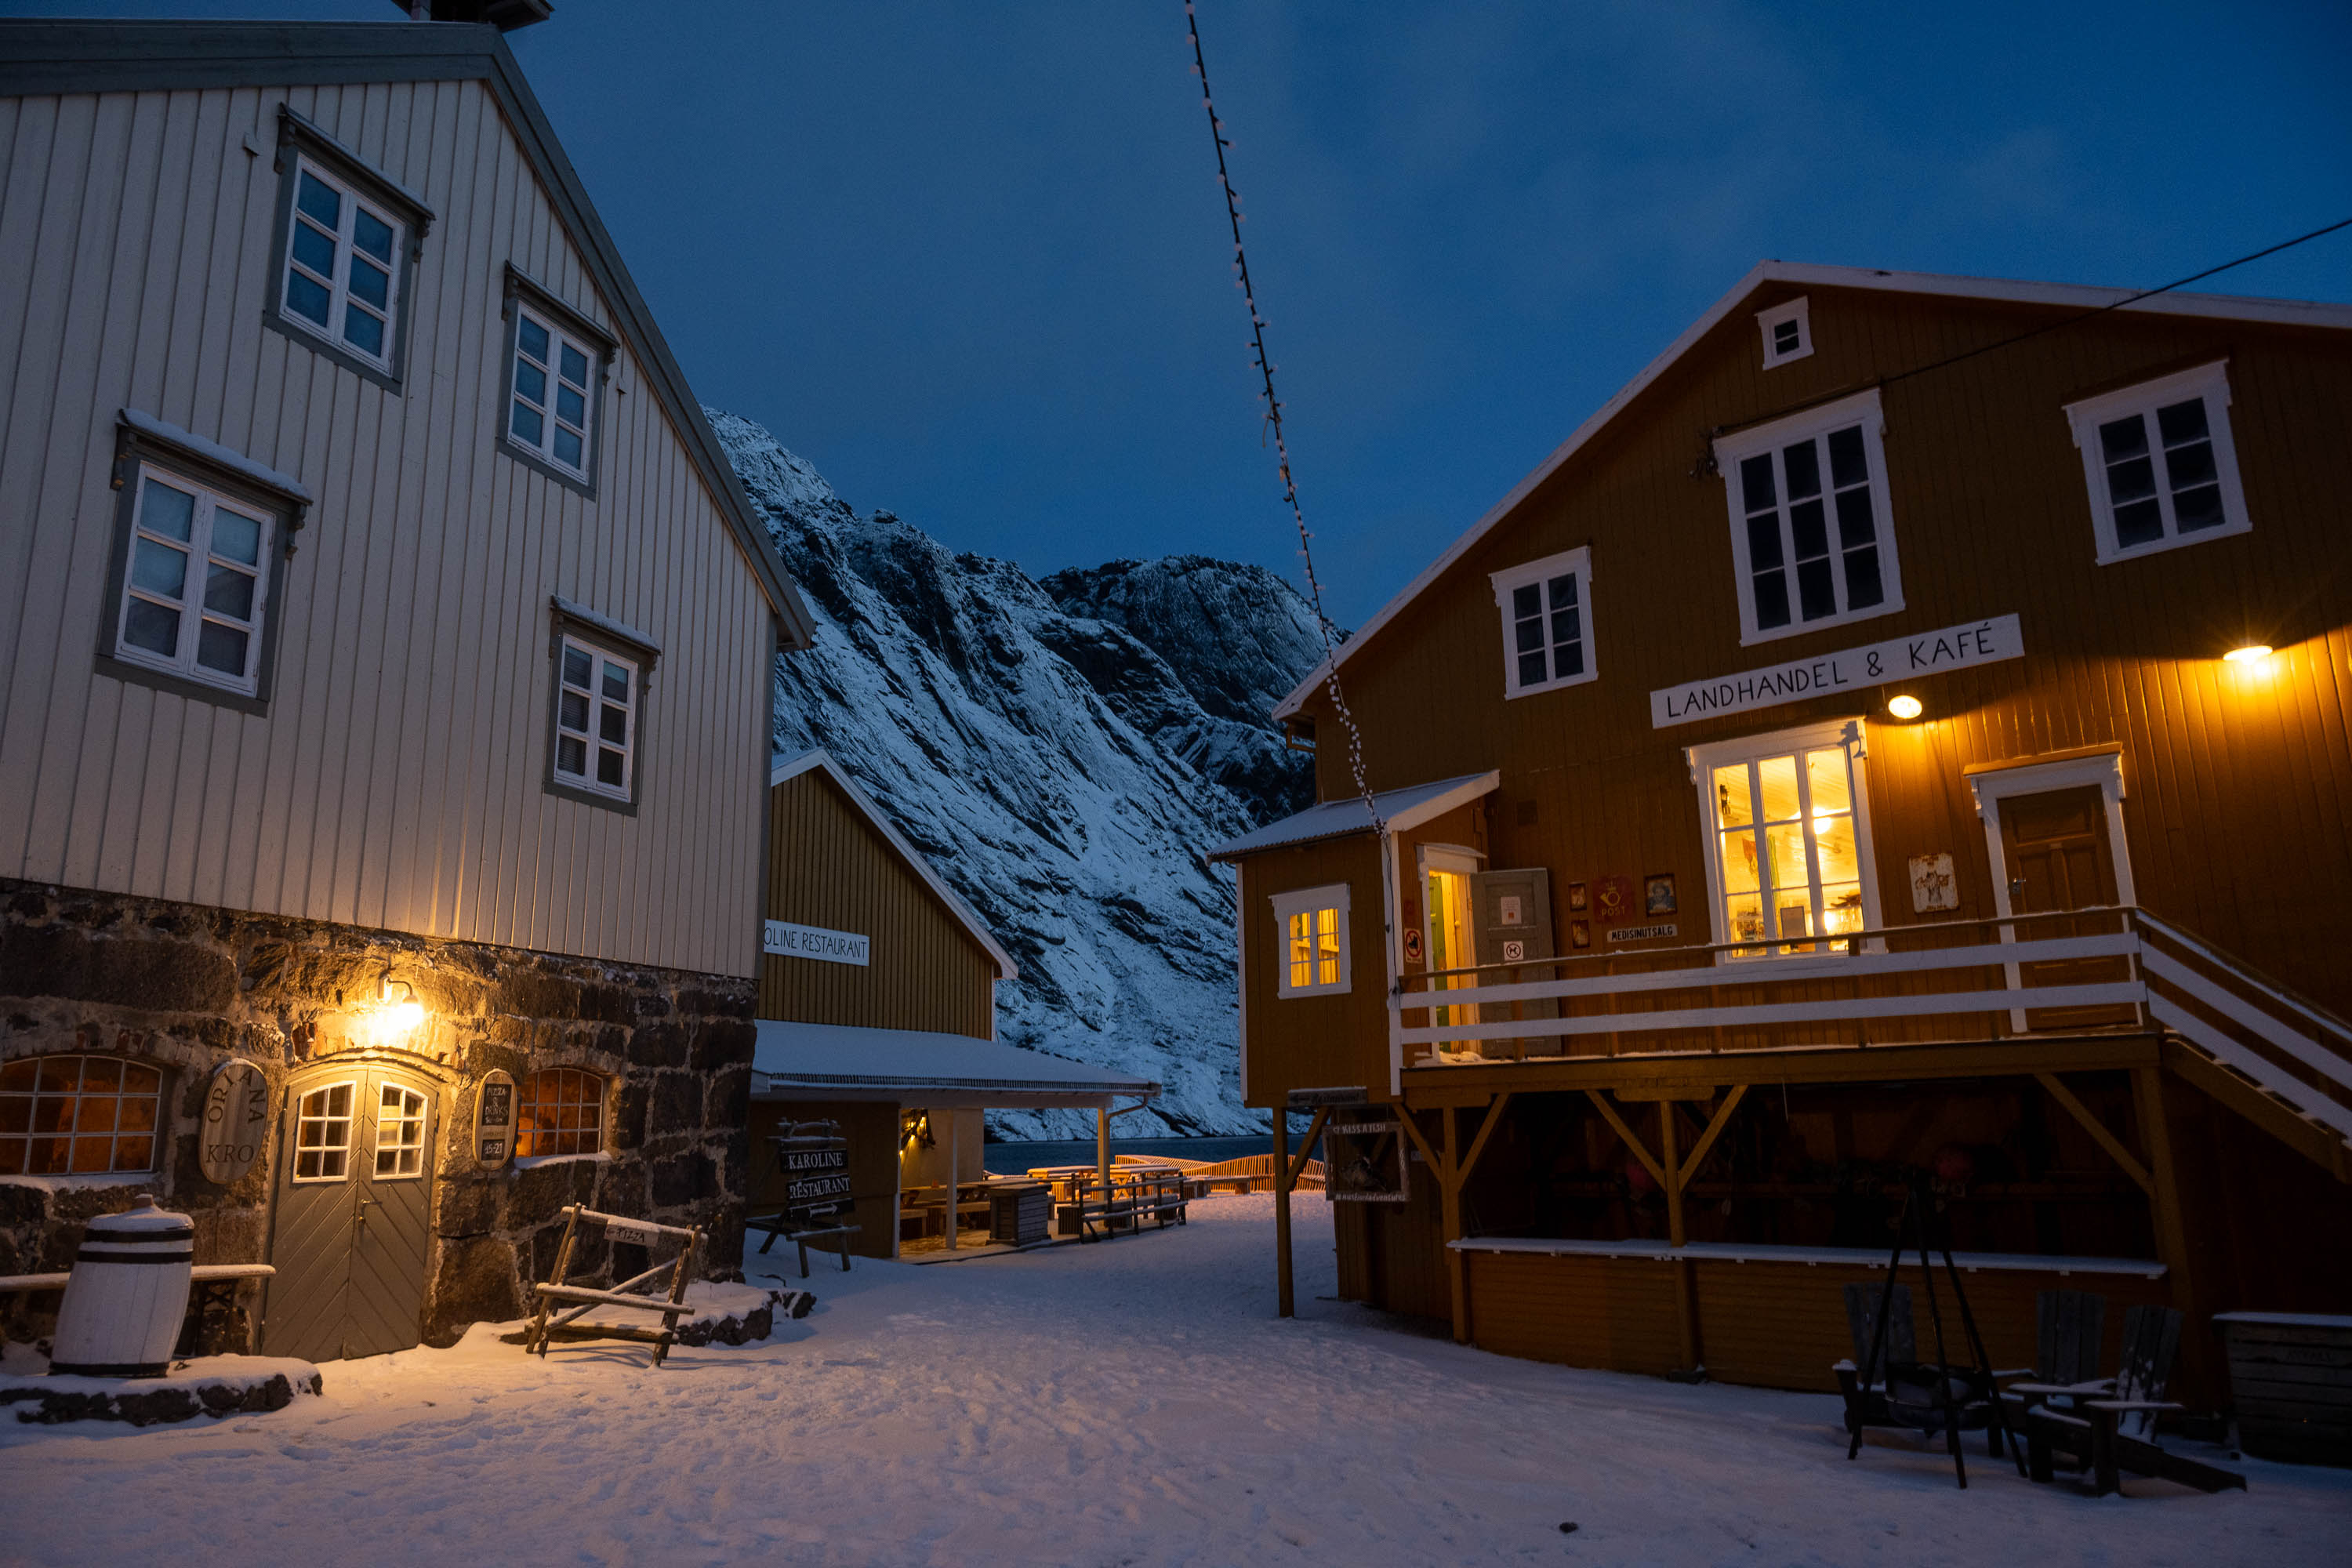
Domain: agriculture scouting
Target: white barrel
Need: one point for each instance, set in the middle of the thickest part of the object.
(127, 1294)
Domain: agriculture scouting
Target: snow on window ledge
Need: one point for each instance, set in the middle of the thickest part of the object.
(79, 1183)
(533, 1162)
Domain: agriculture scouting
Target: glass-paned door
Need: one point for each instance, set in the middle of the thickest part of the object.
(1449, 928)
(1787, 848)
(351, 1229)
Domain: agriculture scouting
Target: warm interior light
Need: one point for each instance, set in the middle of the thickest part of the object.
(1906, 706)
(2252, 653)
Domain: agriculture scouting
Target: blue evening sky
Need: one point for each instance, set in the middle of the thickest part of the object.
(971, 260)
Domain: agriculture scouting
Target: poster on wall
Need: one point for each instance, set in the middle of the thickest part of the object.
(1364, 1163)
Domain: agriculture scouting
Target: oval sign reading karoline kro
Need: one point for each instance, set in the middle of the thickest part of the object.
(236, 1123)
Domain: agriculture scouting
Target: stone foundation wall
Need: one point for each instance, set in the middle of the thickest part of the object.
(187, 987)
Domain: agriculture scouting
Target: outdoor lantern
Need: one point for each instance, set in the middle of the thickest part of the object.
(2252, 653)
(392, 1019)
(1905, 706)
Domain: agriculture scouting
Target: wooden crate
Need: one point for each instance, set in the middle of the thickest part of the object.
(2291, 1380)
(1019, 1215)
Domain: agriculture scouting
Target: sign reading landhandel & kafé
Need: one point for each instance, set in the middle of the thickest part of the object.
(814, 941)
(1902, 658)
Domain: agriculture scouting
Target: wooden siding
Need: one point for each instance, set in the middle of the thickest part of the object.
(1313, 1042)
(827, 867)
(2238, 808)
(396, 780)
(1772, 1325)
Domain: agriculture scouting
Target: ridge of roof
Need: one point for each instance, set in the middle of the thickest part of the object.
(2224, 307)
(821, 761)
(46, 56)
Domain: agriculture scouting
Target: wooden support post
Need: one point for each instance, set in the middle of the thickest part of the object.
(1449, 1187)
(1102, 1148)
(2098, 1130)
(952, 1193)
(1686, 1302)
(1284, 1306)
(2164, 1198)
(1307, 1144)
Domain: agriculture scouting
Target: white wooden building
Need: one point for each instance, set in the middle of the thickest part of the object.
(386, 671)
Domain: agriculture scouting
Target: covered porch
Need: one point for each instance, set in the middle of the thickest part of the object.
(911, 1105)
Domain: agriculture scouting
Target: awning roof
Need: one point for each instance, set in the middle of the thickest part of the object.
(1401, 808)
(845, 1061)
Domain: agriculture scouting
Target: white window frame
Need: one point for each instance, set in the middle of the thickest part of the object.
(339, 297)
(592, 735)
(347, 1148)
(1576, 563)
(424, 1122)
(549, 419)
(2209, 382)
(191, 607)
(1308, 900)
(1845, 733)
(1798, 311)
(1813, 425)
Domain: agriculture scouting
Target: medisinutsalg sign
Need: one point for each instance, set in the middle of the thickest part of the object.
(1900, 658)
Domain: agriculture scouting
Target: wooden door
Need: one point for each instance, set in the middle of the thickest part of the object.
(2061, 857)
(352, 1224)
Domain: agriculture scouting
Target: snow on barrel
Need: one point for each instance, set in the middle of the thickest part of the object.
(127, 1294)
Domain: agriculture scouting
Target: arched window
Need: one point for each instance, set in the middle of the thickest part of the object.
(561, 1112)
(77, 1116)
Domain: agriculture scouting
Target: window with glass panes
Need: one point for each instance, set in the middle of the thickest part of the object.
(560, 1112)
(194, 584)
(596, 719)
(75, 1115)
(2159, 463)
(1811, 536)
(549, 412)
(342, 270)
(1788, 861)
(1547, 632)
(322, 1134)
(399, 1133)
(1313, 923)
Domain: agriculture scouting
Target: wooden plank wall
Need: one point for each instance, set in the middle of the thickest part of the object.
(396, 780)
(827, 867)
(2239, 813)
(1313, 1042)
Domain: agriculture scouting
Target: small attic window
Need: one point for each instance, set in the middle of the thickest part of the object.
(1788, 332)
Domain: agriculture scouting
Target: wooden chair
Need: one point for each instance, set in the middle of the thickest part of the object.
(2107, 1425)
(1894, 1390)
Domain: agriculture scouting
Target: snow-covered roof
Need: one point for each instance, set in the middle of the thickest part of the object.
(220, 457)
(791, 768)
(2225, 307)
(830, 1057)
(1399, 808)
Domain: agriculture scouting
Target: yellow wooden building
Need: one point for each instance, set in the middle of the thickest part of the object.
(878, 1012)
(1906, 728)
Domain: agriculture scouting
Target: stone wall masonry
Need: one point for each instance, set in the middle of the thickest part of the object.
(188, 987)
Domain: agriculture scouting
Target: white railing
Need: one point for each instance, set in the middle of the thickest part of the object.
(1961, 981)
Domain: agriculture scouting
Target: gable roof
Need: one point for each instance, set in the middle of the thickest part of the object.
(1401, 809)
(819, 761)
(51, 56)
(2225, 307)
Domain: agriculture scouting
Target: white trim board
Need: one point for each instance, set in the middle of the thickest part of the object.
(2220, 307)
(794, 767)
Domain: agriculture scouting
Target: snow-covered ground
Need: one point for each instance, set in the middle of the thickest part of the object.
(1130, 1403)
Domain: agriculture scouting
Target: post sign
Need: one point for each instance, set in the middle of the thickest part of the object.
(814, 1158)
(631, 1230)
(1854, 669)
(236, 1123)
(494, 1120)
(813, 941)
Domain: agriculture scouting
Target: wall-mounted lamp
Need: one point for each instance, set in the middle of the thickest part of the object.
(396, 1016)
(2252, 653)
(1905, 706)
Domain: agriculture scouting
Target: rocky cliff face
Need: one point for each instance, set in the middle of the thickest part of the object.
(1062, 752)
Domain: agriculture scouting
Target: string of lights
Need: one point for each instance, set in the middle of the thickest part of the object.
(1273, 421)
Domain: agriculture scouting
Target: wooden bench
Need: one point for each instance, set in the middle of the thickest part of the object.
(1127, 1202)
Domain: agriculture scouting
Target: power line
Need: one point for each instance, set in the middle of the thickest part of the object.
(1274, 420)
(1707, 465)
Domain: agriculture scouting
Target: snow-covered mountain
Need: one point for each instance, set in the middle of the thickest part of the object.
(1062, 752)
